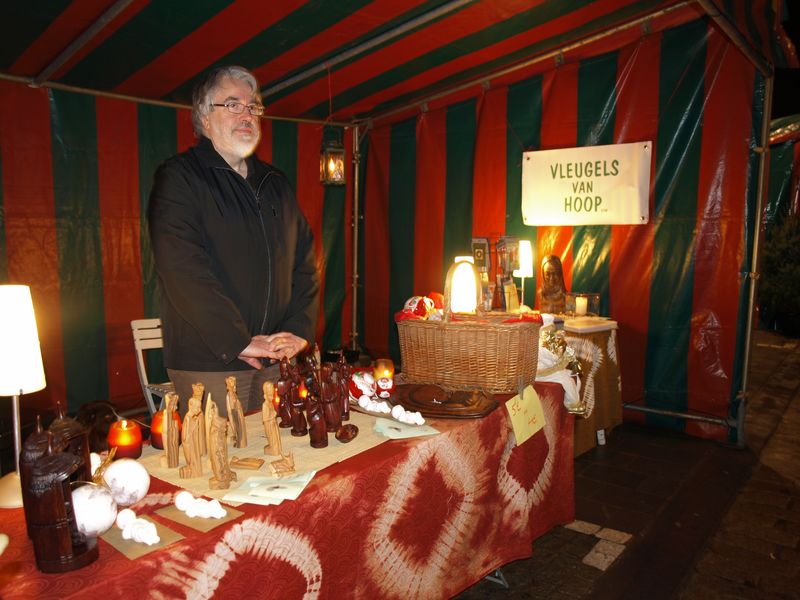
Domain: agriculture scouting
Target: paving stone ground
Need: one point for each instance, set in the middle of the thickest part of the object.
(688, 518)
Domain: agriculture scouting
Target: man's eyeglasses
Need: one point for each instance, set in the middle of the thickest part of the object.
(237, 108)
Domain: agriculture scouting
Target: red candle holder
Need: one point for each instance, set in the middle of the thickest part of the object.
(126, 436)
(157, 428)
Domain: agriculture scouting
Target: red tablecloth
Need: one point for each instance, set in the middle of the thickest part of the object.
(425, 517)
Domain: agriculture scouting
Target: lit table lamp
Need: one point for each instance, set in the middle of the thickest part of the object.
(21, 370)
(525, 264)
(464, 285)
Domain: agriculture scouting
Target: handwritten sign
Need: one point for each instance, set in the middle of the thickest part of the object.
(527, 416)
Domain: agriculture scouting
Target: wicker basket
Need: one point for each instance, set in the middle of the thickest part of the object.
(473, 352)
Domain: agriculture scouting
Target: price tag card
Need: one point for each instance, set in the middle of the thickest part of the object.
(527, 416)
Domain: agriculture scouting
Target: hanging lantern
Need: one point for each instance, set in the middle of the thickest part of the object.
(331, 163)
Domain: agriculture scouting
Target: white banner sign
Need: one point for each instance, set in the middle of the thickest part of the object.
(593, 185)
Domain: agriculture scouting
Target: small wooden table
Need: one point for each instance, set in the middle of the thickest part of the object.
(595, 342)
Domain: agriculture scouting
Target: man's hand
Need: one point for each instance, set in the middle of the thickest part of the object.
(275, 347)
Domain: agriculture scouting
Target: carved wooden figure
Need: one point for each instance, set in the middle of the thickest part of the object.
(197, 392)
(331, 408)
(36, 446)
(211, 412)
(171, 434)
(318, 431)
(284, 388)
(218, 450)
(58, 545)
(269, 416)
(297, 406)
(193, 435)
(344, 387)
(236, 414)
(76, 436)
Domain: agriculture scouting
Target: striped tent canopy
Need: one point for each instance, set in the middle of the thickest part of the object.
(445, 96)
(320, 59)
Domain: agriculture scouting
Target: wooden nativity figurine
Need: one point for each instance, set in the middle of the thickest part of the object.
(193, 435)
(210, 412)
(284, 389)
(236, 414)
(270, 418)
(218, 451)
(329, 391)
(171, 434)
(197, 392)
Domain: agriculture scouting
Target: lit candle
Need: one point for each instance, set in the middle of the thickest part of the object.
(126, 436)
(383, 371)
(580, 305)
(276, 400)
(157, 428)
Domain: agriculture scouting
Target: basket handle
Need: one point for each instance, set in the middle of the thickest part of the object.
(448, 289)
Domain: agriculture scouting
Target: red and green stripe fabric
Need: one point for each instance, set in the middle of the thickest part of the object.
(158, 49)
(76, 174)
(675, 285)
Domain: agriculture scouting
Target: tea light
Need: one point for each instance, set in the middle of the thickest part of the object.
(276, 400)
(383, 371)
(157, 428)
(126, 436)
(581, 303)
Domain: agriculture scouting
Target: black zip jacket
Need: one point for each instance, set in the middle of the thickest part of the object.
(234, 258)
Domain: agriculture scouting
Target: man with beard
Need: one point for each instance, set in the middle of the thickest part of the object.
(234, 255)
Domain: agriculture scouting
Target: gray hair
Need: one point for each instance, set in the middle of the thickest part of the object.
(201, 97)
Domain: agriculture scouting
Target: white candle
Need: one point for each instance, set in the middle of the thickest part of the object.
(580, 305)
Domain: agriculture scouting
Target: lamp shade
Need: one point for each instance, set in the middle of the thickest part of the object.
(525, 260)
(463, 288)
(21, 369)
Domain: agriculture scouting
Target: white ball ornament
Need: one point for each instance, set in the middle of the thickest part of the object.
(183, 500)
(95, 509)
(128, 481)
(125, 517)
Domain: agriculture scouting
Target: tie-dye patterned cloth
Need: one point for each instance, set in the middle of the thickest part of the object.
(419, 518)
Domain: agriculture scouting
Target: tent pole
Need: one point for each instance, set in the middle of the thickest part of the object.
(637, 22)
(360, 49)
(681, 415)
(736, 38)
(138, 100)
(755, 255)
(356, 191)
(80, 41)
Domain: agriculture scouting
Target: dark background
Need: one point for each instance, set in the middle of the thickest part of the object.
(786, 94)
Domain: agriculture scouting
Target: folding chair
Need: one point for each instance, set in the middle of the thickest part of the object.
(147, 336)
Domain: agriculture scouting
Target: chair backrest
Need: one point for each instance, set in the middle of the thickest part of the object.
(146, 336)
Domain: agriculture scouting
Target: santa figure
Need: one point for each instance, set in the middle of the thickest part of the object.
(362, 383)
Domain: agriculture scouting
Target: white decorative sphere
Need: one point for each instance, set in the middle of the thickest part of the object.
(125, 517)
(128, 481)
(183, 500)
(95, 509)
